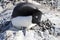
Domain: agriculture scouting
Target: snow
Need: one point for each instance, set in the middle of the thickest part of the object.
(34, 2)
(1, 9)
(53, 16)
(15, 34)
(10, 5)
(30, 35)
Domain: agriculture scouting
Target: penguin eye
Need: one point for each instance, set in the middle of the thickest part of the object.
(36, 16)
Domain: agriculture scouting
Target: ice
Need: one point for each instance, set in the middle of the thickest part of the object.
(1, 9)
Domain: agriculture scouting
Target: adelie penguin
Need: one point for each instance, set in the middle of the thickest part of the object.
(25, 16)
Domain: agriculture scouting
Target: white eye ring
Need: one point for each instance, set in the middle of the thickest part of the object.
(36, 16)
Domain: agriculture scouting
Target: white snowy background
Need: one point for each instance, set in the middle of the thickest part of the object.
(15, 34)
